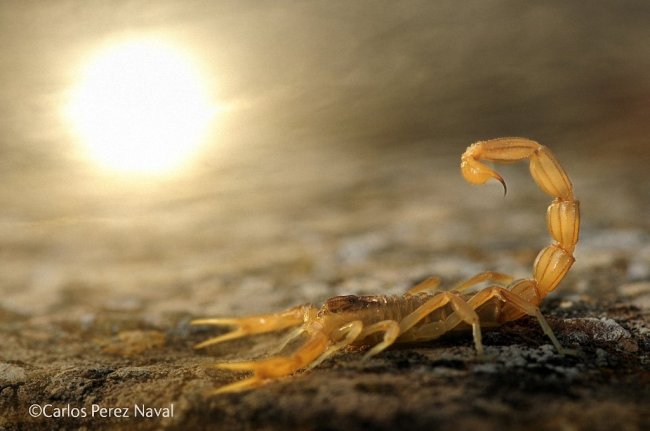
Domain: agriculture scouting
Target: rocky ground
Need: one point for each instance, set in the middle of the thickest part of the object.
(97, 299)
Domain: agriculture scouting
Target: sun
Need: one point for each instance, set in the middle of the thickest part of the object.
(140, 107)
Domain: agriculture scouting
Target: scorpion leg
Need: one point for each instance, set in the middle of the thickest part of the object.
(292, 335)
(481, 277)
(253, 324)
(349, 332)
(430, 285)
(518, 302)
(464, 311)
(433, 330)
(391, 331)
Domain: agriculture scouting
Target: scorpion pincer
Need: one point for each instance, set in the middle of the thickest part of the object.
(423, 312)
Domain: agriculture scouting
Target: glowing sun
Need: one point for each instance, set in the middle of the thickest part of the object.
(140, 107)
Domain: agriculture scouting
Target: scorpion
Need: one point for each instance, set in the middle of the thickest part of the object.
(425, 313)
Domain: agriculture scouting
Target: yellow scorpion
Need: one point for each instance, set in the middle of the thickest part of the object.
(423, 313)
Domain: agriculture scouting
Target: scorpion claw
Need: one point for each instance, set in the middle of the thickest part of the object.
(241, 385)
(238, 333)
(236, 366)
(253, 325)
(215, 321)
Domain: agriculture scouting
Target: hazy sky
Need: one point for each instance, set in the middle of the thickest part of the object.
(375, 73)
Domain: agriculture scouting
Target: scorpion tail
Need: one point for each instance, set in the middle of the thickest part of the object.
(563, 215)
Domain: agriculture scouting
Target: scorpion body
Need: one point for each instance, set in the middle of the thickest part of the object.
(424, 313)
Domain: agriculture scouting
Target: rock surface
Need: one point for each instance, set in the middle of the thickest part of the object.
(96, 310)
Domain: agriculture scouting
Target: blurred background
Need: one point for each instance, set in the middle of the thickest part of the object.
(328, 160)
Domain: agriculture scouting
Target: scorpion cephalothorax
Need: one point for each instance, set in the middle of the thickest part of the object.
(424, 313)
